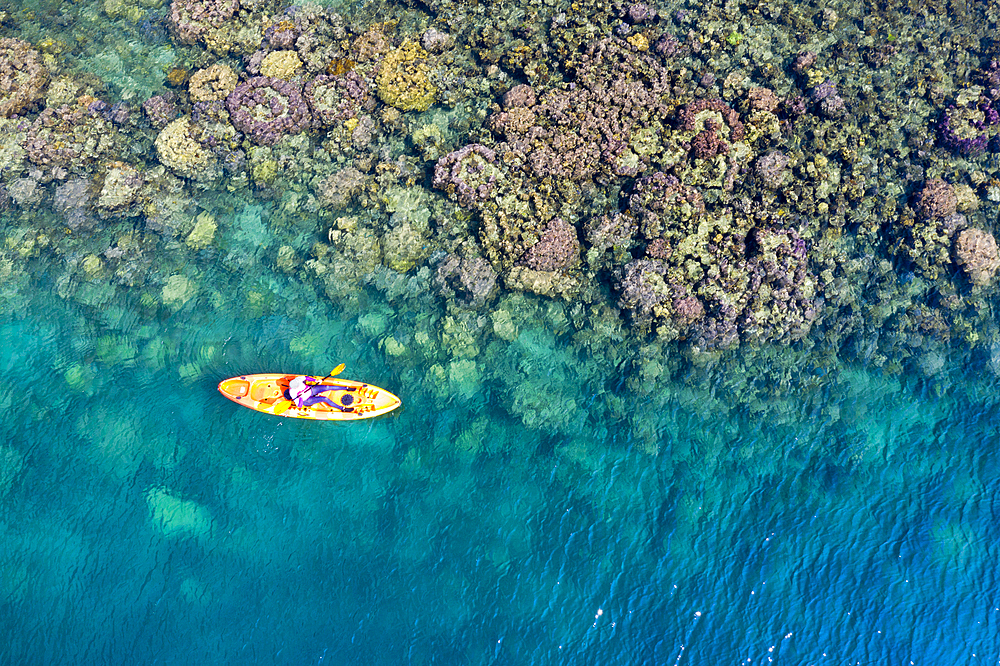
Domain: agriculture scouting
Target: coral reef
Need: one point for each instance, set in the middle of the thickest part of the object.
(783, 301)
(665, 207)
(967, 129)
(317, 34)
(713, 134)
(712, 126)
(212, 84)
(203, 233)
(403, 247)
(719, 278)
(23, 76)
(335, 99)
(607, 122)
(724, 193)
(179, 151)
(337, 189)
(469, 174)
(72, 200)
(468, 282)
(119, 189)
(403, 78)
(268, 109)
(189, 20)
(71, 138)
(558, 248)
(643, 291)
(976, 253)
(607, 231)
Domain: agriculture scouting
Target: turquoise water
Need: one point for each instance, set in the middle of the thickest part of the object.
(148, 520)
(555, 489)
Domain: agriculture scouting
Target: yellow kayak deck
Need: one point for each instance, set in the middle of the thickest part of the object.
(268, 392)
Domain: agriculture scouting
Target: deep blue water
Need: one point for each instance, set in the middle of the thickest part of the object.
(148, 520)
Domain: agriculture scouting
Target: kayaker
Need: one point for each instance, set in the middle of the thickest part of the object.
(305, 392)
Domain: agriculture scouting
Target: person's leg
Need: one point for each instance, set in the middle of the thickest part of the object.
(319, 388)
(322, 398)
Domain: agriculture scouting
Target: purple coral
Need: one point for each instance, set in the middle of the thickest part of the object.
(435, 41)
(469, 174)
(160, 110)
(668, 46)
(519, 96)
(713, 124)
(664, 205)
(828, 100)
(639, 12)
(762, 99)
(658, 249)
(582, 130)
(688, 310)
(336, 98)
(803, 61)
(557, 248)
(964, 129)
(707, 143)
(266, 109)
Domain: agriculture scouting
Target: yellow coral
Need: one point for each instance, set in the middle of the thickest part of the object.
(404, 247)
(120, 187)
(263, 167)
(203, 233)
(638, 41)
(403, 80)
(93, 266)
(177, 291)
(212, 84)
(281, 64)
(178, 151)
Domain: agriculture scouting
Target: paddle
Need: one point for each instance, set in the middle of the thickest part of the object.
(285, 405)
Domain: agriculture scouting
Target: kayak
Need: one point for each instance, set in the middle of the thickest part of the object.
(268, 393)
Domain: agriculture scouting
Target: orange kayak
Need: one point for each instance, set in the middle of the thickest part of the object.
(267, 393)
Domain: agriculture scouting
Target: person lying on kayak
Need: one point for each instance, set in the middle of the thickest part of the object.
(305, 392)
